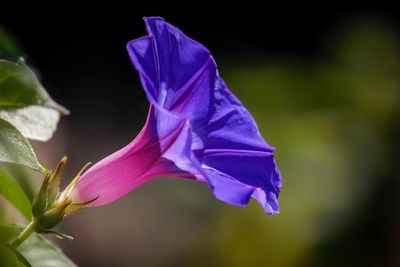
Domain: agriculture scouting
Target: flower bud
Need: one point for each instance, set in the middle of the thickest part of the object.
(50, 206)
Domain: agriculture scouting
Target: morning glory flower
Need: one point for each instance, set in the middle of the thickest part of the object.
(196, 129)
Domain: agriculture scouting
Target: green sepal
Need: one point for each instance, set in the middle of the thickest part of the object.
(59, 235)
(53, 188)
(39, 204)
(53, 216)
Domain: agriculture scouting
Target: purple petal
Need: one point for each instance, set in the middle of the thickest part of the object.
(196, 129)
(255, 169)
(180, 76)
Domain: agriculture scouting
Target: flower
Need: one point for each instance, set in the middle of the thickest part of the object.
(196, 129)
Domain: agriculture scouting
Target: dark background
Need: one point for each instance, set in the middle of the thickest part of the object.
(323, 84)
(90, 42)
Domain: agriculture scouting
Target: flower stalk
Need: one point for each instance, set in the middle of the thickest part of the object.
(29, 229)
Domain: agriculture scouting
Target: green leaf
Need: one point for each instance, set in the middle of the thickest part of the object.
(10, 257)
(25, 103)
(9, 47)
(9, 232)
(40, 252)
(10, 189)
(23, 178)
(14, 148)
(37, 250)
(19, 87)
(34, 122)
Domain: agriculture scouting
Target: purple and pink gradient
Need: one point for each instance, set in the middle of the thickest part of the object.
(196, 129)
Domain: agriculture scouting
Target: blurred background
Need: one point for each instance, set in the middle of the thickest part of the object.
(323, 85)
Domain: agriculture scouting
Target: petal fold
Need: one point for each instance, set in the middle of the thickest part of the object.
(196, 128)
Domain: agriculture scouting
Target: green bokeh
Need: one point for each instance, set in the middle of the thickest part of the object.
(333, 123)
